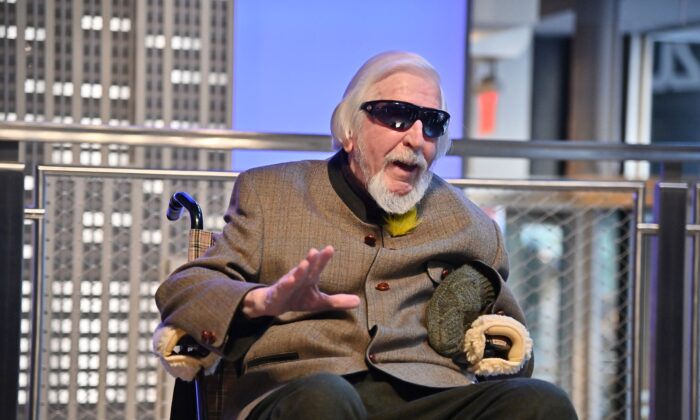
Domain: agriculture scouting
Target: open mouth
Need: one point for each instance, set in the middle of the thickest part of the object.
(408, 167)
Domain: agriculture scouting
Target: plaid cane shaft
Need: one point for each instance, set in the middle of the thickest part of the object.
(200, 241)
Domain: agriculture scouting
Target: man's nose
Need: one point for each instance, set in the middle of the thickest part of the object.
(413, 137)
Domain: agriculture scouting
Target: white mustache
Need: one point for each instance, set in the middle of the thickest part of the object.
(408, 157)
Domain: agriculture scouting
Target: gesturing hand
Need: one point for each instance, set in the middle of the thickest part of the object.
(298, 290)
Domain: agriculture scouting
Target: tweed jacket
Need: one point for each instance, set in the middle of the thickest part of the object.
(276, 214)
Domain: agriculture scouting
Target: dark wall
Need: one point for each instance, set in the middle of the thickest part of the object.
(9, 151)
(550, 96)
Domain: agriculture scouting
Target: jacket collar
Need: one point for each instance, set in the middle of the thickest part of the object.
(351, 190)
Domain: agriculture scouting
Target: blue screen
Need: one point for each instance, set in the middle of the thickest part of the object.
(293, 60)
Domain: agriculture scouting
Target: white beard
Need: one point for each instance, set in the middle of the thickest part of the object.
(391, 202)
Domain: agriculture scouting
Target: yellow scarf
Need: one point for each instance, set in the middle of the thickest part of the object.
(401, 224)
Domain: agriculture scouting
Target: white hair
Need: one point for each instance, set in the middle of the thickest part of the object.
(345, 121)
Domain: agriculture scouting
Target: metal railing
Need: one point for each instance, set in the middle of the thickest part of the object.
(93, 189)
(231, 140)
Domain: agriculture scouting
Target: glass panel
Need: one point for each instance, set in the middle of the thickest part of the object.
(675, 94)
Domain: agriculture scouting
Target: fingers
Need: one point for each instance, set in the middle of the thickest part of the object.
(298, 289)
(307, 272)
(317, 262)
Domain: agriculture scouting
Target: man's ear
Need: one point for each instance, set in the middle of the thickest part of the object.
(349, 143)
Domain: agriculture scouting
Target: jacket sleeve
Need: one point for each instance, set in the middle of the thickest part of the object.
(202, 297)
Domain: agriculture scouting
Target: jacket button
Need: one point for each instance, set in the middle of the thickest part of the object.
(445, 273)
(372, 358)
(383, 286)
(370, 240)
(208, 337)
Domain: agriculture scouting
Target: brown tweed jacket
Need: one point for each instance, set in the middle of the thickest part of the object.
(276, 214)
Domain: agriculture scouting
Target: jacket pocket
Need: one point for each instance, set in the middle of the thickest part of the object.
(273, 358)
(437, 270)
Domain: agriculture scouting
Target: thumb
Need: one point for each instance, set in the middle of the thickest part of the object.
(342, 301)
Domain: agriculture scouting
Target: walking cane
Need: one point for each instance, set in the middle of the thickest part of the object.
(187, 345)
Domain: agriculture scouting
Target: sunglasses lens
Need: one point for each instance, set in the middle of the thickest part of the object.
(434, 123)
(396, 116)
(401, 116)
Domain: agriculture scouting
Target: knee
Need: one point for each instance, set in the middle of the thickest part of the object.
(544, 399)
(325, 395)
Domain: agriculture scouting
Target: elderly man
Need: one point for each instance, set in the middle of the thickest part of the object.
(319, 288)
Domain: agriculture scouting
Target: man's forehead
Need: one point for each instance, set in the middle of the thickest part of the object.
(406, 74)
(408, 85)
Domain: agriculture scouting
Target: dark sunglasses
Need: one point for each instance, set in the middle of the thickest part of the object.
(400, 116)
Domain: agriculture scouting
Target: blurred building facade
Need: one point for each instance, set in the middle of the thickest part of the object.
(154, 63)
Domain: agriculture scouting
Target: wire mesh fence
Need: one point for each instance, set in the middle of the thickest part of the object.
(104, 250)
(107, 246)
(571, 255)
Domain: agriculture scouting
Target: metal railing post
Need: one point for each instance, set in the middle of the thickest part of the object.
(670, 307)
(11, 215)
(636, 307)
(694, 229)
(35, 400)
